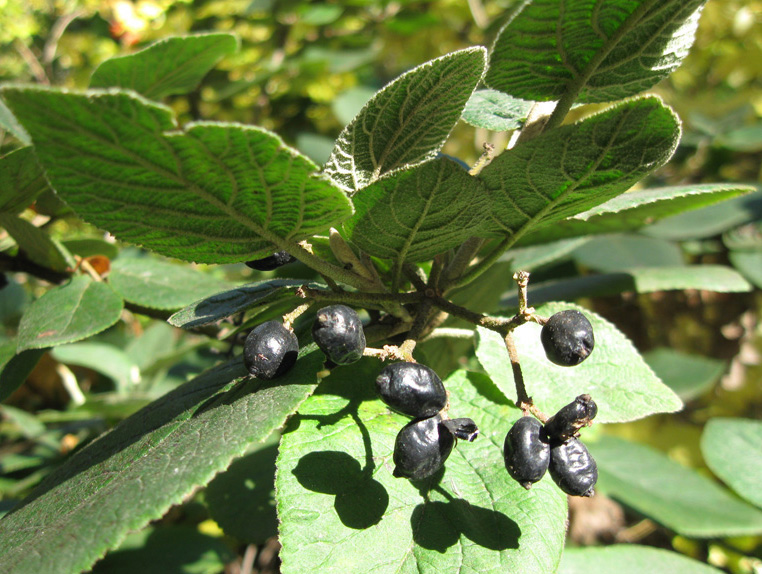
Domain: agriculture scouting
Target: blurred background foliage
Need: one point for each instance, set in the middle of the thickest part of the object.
(304, 69)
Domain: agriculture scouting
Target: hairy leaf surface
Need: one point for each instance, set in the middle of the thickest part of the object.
(21, 180)
(37, 244)
(496, 111)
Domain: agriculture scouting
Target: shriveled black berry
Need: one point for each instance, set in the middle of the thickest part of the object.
(337, 330)
(464, 428)
(526, 451)
(567, 421)
(567, 338)
(270, 350)
(411, 389)
(573, 468)
(421, 448)
(271, 262)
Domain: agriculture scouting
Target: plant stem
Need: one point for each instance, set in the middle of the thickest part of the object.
(289, 318)
(523, 400)
(466, 252)
(414, 273)
(357, 297)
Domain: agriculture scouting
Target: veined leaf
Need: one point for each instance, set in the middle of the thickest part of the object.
(67, 313)
(21, 180)
(169, 66)
(413, 215)
(152, 460)
(10, 124)
(14, 369)
(407, 122)
(630, 559)
(36, 243)
(102, 358)
(688, 375)
(336, 493)
(496, 111)
(635, 209)
(615, 375)
(214, 193)
(603, 51)
(576, 167)
(623, 251)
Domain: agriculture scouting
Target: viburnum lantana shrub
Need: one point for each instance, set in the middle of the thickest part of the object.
(392, 228)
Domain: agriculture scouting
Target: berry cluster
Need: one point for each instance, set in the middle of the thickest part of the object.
(423, 445)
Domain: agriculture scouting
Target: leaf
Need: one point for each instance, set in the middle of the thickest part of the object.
(336, 493)
(67, 313)
(749, 263)
(620, 382)
(496, 111)
(602, 51)
(538, 256)
(575, 167)
(227, 303)
(690, 376)
(677, 497)
(622, 252)
(349, 103)
(732, 448)
(630, 559)
(413, 215)
(158, 284)
(10, 124)
(167, 67)
(636, 209)
(242, 499)
(150, 461)
(716, 278)
(21, 180)
(214, 193)
(36, 243)
(102, 358)
(407, 122)
(14, 369)
(89, 246)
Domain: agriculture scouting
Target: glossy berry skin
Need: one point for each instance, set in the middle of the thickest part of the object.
(270, 350)
(526, 451)
(573, 468)
(411, 389)
(277, 259)
(567, 338)
(567, 421)
(337, 330)
(464, 429)
(421, 448)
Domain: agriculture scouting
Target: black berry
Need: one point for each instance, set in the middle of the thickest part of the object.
(567, 338)
(270, 350)
(464, 429)
(421, 448)
(526, 451)
(412, 389)
(567, 421)
(573, 468)
(271, 262)
(338, 332)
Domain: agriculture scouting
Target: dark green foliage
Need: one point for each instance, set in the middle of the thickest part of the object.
(567, 338)
(270, 350)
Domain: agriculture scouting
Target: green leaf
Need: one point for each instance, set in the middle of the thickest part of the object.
(629, 559)
(635, 209)
(747, 139)
(21, 180)
(620, 382)
(732, 448)
(690, 376)
(716, 278)
(89, 246)
(158, 284)
(150, 461)
(36, 243)
(14, 369)
(576, 167)
(214, 193)
(496, 111)
(622, 252)
(537, 256)
(10, 124)
(67, 313)
(677, 497)
(170, 66)
(749, 263)
(176, 548)
(413, 215)
(349, 103)
(407, 122)
(227, 303)
(336, 493)
(102, 358)
(242, 499)
(602, 51)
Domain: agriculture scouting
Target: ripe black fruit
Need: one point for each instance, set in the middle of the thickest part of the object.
(412, 389)
(271, 262)
(270, 350)
(421, 448)
(573, 468)
(464, 428)
(526, 451)
(337, 330)
(567, 338)
(567, 421)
